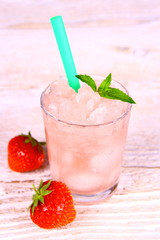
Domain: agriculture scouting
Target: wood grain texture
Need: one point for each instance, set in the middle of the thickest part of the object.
(121, 37)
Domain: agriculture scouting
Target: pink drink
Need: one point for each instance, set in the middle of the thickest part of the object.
(86, 136)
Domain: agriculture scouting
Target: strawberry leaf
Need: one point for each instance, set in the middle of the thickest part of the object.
(39, 194)
(41, 199)
(40, 184)
(33, 141)
(46, 185)
(34, 188)
(42, 143)
(33, 208)
(35, 202)
(47, 192)
(27, 140)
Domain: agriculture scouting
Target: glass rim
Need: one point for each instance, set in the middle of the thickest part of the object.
(128, 109)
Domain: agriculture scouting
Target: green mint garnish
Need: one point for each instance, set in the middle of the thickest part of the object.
(105, 83)
(105, 90)
(87, 79)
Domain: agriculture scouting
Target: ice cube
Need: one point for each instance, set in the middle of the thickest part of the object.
(53, 109)
(90, 104)
(99, 114)
(83, 95)
(62, 89)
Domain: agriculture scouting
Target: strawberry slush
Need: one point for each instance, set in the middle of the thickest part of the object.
(85, 135)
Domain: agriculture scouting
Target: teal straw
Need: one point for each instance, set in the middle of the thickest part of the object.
(65, 51)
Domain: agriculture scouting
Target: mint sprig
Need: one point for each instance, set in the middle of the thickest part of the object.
(105, 90)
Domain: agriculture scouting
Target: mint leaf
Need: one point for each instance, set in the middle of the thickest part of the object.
(115, 93)
(105, 84)
(88, 80)
(105, 90)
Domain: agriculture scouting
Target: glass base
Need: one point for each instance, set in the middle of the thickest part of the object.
(93, 198)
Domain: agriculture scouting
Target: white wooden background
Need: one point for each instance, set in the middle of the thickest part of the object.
(122, 37)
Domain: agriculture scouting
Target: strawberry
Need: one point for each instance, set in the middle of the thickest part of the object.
(25, 153)
(52, 205)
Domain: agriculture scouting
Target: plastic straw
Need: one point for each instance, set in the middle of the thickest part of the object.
(65, 51)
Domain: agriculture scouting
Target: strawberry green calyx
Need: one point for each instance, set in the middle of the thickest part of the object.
(32, 140)
(40, 192)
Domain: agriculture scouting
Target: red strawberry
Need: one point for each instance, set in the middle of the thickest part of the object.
(25, 153)
(52, 205)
